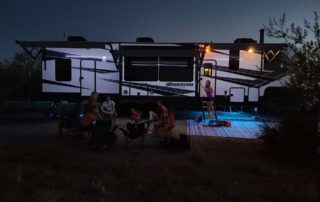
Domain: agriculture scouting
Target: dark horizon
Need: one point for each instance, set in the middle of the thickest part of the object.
(125, 20)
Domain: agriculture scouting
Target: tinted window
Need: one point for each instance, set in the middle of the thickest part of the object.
(234, 60)
(63, 70)
(176, 69)
(141, 69)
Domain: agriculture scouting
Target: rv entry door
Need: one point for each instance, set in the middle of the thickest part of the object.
(87, 77)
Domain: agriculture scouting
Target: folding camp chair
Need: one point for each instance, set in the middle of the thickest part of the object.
(162, 131)
(103, 135)
(134, 133)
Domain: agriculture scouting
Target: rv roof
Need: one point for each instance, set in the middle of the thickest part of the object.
(84, 44)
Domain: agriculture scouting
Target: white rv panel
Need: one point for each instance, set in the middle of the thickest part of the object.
(237, 94)
(223, 88)
(221, 56)
(106, 72)
(87, 77)
(249, 60)
(87, 67)
(253, 95)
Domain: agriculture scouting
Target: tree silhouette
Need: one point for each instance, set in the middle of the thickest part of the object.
(302, 58)
(20, 79)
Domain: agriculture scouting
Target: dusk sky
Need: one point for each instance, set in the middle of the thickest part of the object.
(124, 20)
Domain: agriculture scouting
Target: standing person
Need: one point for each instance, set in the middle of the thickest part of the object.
(92, 112)
(108, 108)
(209, 93)
(163, 112)
(92, 105)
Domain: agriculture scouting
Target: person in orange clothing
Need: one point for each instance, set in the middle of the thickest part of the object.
(92, 111)
(161, 117)
(135, 116)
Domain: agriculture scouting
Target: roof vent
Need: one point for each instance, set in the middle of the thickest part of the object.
(145, 39)
(244, 40)
(76, 38)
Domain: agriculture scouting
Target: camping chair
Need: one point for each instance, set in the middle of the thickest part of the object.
(134, 133)
(103, 136)
(69, 119)
(163, 131)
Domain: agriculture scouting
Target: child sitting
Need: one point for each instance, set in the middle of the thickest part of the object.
(135, 116)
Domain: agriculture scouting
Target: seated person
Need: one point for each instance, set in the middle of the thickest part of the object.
(108, 108)
(153, 116)
(161, 119)
(163, 114)
(135, 116)
(87, 120)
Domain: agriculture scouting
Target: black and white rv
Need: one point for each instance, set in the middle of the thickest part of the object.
(240, 72)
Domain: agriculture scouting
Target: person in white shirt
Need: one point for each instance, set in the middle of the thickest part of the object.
(108, 108)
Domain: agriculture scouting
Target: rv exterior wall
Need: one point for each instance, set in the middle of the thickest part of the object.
(95, 69)
(91, 70)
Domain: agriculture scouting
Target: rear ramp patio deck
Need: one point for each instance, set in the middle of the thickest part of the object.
(243, 125)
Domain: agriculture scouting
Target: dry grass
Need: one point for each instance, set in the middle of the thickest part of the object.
(214, 170)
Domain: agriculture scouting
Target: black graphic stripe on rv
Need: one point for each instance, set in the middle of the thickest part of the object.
(154, 88)
(258, 74)
(244, 82)
(256, 83)
(101, 71)
(62, 84)
(56, 54)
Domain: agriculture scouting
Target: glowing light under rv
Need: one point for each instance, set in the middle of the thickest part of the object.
(250, 50)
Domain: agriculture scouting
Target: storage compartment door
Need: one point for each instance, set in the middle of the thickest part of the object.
(237, 94)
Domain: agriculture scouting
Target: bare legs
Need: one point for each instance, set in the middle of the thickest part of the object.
(210, 108)
(152, 116)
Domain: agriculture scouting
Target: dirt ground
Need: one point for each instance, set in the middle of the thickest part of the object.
(38, 166)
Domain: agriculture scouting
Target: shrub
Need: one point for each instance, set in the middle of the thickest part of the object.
(270, 135)
(295, 133)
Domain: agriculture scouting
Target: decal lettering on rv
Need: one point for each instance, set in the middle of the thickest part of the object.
(179, 84)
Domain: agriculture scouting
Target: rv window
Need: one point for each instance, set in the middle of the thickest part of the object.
(63, 69)
(234, 60)
(176, 69)
(141, 69)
